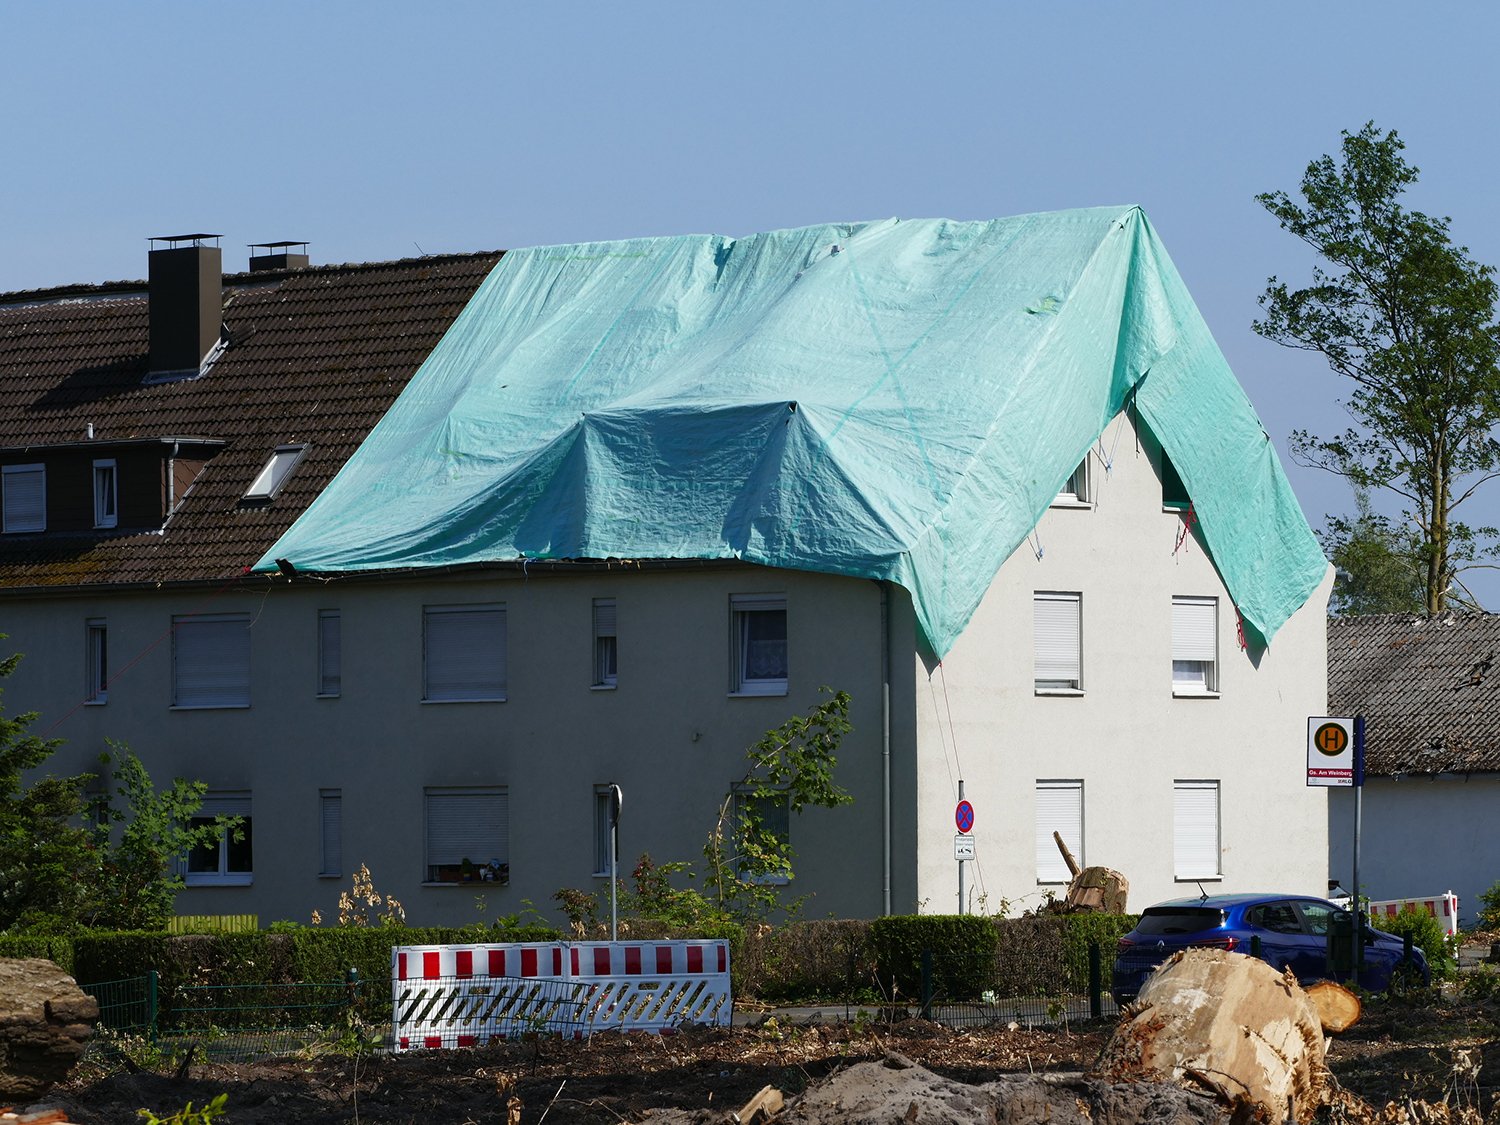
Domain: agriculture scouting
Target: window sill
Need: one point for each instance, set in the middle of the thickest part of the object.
(1197, 878)
(1176, 509)
(330, 875)
(1080, 505)
(758, 692)
(470, 885)
(1180, 693)
(328, 695)
(218, 880)
(602, 687)
(209, 707)
(100, 702)
(477, 699)
(1072, 692)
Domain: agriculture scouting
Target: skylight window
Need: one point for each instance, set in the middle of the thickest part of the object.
(268, 483)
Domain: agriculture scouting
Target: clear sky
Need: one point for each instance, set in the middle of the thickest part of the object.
(378, 130)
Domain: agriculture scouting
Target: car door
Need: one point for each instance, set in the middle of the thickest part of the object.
(1312, 961)
(1279, 930)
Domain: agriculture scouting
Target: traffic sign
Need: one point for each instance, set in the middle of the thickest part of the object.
(963, 816)
(1330, 751)
(963, 846)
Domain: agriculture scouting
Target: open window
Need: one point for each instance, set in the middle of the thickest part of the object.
(106, 494)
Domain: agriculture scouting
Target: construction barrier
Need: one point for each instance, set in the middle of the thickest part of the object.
(467, 995)
(1443, 907)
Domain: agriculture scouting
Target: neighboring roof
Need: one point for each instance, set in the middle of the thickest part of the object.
(896, 400)
(1429, 689)
(316, 356)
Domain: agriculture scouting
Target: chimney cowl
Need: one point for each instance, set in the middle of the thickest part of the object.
(278, 256)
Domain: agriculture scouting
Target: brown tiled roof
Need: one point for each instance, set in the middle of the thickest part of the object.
(1429, 689)
(316, 356)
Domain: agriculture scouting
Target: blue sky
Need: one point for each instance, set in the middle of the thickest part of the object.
(379, 130)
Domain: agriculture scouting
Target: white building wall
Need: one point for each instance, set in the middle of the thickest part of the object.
(1126, 736)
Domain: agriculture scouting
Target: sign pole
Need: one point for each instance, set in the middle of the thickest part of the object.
(616, 799)
(960, 862)
(1359, 792)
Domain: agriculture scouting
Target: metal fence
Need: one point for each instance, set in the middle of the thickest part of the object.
(229, 1022)
(1027, 991)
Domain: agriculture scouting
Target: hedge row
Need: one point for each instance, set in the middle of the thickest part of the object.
(828, 960)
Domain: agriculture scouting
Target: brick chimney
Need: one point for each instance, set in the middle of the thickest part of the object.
(186, 302)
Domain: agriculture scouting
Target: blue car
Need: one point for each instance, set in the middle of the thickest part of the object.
(1286, 931)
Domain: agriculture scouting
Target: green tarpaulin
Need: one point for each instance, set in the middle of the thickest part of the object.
(897, 400)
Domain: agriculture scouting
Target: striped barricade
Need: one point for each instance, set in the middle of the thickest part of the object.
(1443, 907)
(467, 995)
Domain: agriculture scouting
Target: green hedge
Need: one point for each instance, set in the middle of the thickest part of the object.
(963, 954)
(819, 961)
(56, 949)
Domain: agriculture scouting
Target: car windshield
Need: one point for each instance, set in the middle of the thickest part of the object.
(1179, 919)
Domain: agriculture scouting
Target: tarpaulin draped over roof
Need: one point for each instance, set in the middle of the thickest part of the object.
(897, 400)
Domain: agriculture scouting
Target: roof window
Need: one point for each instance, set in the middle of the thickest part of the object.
(270, 479)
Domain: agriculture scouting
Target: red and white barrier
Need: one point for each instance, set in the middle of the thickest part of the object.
(1443, 907)
(466, 995)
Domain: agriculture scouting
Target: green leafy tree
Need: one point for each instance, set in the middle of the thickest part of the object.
(70, 857)
(1378, 563)
(747, 858)
(137, 842)
(45, 853)
(1408, 318)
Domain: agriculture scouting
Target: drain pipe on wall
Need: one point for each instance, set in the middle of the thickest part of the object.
(885, 736)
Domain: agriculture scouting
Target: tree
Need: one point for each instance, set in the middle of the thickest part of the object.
(1409, 318)
(1378, 564)
(747, 855)
(69, 857)
(136, 845)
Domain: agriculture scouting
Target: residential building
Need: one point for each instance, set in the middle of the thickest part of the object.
(1427, 690)
(416, 675)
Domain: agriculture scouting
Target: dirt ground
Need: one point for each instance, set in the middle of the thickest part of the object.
(1429, 1048)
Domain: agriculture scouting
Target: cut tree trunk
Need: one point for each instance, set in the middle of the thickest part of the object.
(1227, 1023)
(1338, 1008)
(45, 1022)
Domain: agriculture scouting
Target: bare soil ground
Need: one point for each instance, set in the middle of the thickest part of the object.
(1431, 1048)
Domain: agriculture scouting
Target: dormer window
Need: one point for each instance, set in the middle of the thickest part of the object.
(106, 495)
(25, 497)
(275, 473)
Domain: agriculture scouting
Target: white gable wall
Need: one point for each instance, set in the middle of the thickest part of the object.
(1125, 736)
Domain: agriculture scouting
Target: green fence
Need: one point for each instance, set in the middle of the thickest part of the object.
(231, 1022)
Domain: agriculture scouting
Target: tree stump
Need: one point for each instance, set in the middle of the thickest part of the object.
(1227, 1023)
(45, 1022)
(1338, 1008)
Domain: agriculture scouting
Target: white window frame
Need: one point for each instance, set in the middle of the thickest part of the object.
(1197, 831)
(1057, 642)
(211, 661)
(606, 644)
(23, 506)
(744, 609)
(216, 804)
(96, 661)
(273, 476)
(453, 819)
(1059, 808)
(330, 833)
(783, 802)
(330, 654)
(1076, 491)
(1195, 646)
(464, 653)
(106, 494)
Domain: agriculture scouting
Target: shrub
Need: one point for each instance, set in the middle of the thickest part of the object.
(1426, 933)
(1489, 913)
(963, 954)
(58, 950)
(807, 961)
